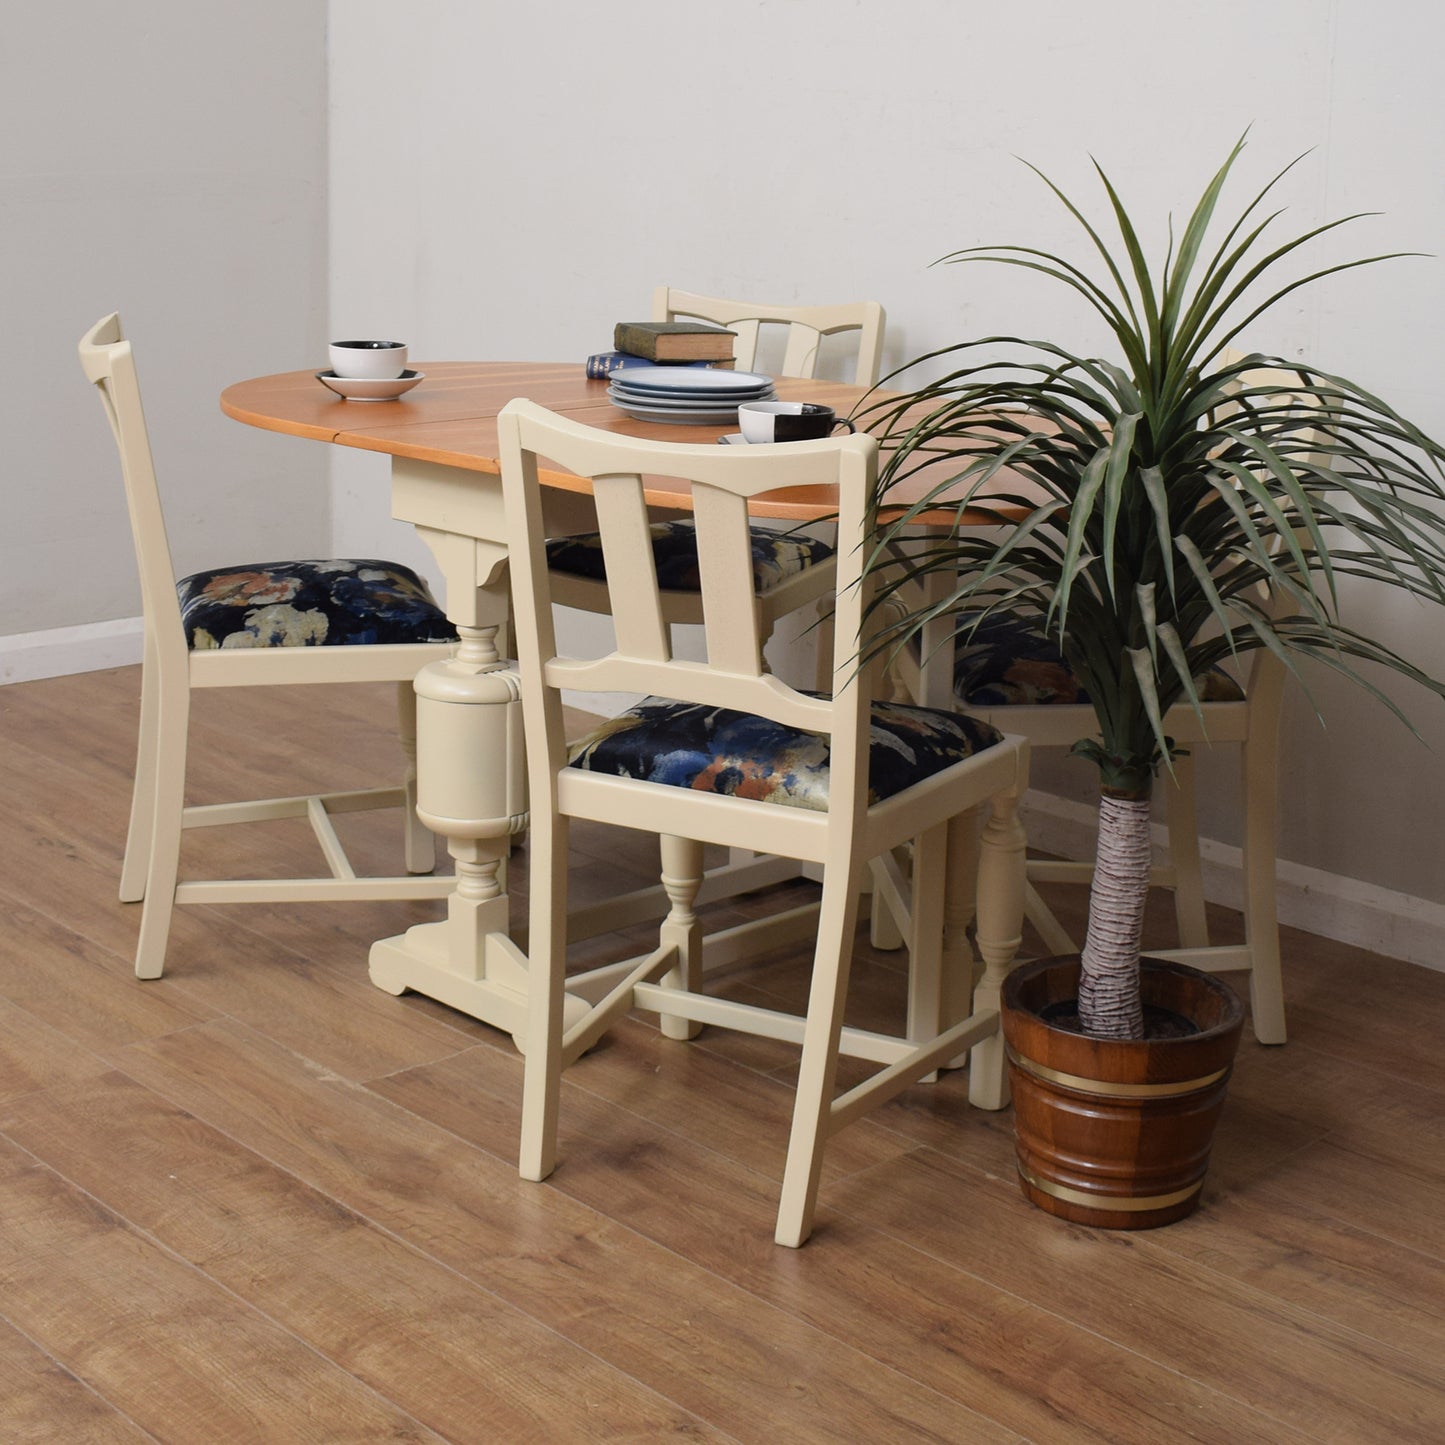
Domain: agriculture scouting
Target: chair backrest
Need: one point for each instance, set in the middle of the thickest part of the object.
(722, 479)
(807, 325)
(105, 356)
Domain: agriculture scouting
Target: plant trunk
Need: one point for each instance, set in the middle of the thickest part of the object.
(1109, 1005)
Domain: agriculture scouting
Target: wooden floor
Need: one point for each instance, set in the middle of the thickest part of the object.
(259, 1200)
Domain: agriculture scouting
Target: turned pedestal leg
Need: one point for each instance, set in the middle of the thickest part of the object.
(470, 791)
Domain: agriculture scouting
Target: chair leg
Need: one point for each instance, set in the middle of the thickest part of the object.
(884, 933)
(420, 841)
(1259, 766)
(960, 901)
(812, 1107)
(925, 946)
(1001, 883)
(546, 989)
(172, 715)
(1182, 812)
(681, 878)
(143, 793)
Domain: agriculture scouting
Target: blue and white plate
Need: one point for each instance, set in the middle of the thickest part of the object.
(688, 380)
(623, 397)
(696, 416)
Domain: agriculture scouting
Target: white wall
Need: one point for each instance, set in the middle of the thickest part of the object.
(168, 160)
(507, 181)
(553, 162)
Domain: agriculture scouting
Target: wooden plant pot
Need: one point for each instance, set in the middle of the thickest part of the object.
(1116, 1133)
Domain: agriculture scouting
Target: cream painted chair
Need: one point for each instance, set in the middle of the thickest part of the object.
(790, 570)
(243, 626)
(723, 752)
(1249, 720)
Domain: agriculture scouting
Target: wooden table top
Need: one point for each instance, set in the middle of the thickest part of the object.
(451, 419)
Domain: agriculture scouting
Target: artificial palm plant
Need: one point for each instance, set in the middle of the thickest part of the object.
(1172, 516)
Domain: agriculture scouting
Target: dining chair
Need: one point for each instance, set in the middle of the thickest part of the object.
(335, 620)
(1013, 676)
(791, 569)
(723, 752)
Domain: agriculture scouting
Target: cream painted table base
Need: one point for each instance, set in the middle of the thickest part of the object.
(470, 769)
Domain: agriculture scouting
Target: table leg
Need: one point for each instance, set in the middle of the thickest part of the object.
(471, 791)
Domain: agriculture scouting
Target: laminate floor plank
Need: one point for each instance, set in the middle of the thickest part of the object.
(44, 1402)
(447, 1351)
(62, 854)
(83, 990)
(1011, 1358)
(659, 1083)
(1330, 1381)
(173, 1351)
(713, 1349)
(1310, 1258)
(258, 1200)
(1397, 1202)
(1364, 1108)
(34, 1055)
(344, 1024)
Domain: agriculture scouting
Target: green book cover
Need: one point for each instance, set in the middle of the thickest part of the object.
(674, 340)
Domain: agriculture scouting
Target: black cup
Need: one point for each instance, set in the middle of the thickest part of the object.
(782, 421)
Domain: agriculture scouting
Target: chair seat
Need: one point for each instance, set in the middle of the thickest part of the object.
(1008, 661)
(310, 604)
(716, 750)
(776, 555)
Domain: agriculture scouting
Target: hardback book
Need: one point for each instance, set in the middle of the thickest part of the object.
(674, 340)
(604, 363)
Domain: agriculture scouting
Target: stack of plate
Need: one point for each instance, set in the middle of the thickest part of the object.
(686, 395)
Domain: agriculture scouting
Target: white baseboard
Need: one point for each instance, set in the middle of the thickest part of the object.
(60, 651)
(1363, 915)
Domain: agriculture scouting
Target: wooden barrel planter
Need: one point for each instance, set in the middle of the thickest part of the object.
(1116, 1133)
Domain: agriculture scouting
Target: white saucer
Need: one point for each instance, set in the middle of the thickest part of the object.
(363, 388)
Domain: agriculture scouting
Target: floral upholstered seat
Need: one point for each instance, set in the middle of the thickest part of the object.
(310, 604)
(716, 750)
(776, 555)
(1008, 661)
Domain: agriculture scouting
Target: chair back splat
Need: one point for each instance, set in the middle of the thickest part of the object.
(806, 328)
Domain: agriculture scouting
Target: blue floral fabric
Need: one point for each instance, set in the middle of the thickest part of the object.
(776, 555)
(309, 604)
(716, 750)
(1007, 661)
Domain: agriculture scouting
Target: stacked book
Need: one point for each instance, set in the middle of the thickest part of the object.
(665, 343)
